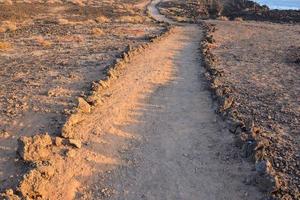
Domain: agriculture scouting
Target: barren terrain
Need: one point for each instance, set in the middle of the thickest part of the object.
(52, 57)
(142, 99)
(259, 62)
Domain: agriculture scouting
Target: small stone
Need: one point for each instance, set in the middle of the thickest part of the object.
(9, 192)
(240, 140)
(46, 171)
(263, 167)
(227, 103)
(4, 135)
(59, 141)
(9, 195)
(248, 149)
(83, 105)
(104, 84)
(71, 153)
(75, 143)
(267, 183)
(67, 130)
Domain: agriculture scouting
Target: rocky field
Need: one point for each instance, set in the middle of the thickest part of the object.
(257, 67)
(50, 54)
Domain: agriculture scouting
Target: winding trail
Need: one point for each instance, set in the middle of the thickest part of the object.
(162, 132)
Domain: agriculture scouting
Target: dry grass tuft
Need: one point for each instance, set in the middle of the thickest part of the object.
(102, 19)
(41, 41)
(53, 1)
(78, 2)
(71, 38)
(131, 19)
(8, 26)
(97, 31)
(4, 46)
(62, 21)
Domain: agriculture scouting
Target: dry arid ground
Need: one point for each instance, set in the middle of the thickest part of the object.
(98, 100)
(50, 53)
(259, 62)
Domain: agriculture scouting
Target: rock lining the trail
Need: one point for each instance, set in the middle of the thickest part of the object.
(37, 150)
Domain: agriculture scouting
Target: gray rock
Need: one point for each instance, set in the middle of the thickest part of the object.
(263, 167)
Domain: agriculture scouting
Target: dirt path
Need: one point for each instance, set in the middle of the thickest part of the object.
(152, 135)
(162, 132)
(178, 158)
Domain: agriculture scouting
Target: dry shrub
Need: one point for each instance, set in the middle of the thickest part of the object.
(181, 19)
(102, 19)
(8, 26)
(4, 46)
(238, 19)
(130, 32)
(89, 21)
(66, 22)
(62, 21)
(77, 2)
(97, 31)
(41, 41)
(223, 18)
(71, 38)
(54, 1)
(131, 19)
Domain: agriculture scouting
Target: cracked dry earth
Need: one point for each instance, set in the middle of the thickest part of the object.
(159, 133)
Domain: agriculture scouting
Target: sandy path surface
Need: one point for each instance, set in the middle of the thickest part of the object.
(161, 131)
(181, 137)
